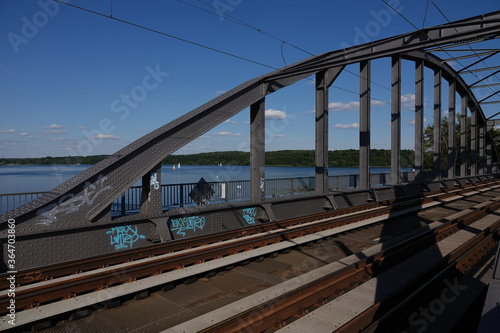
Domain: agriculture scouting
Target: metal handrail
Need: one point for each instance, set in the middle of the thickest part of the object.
(177, 195)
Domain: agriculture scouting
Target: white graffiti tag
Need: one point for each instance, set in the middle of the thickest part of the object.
(154, 181)
(70, 204)
(249, 214)
(187, 223)
(124, 237)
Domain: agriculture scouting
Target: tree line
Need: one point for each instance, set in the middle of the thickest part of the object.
(299, 158)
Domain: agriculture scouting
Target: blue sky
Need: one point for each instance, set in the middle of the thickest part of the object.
(77, 83)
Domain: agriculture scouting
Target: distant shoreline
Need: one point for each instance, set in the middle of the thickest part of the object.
(295, 158)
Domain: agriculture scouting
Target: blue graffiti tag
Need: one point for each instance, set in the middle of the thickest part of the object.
(124, 237)
(249, 214)
(187, 223)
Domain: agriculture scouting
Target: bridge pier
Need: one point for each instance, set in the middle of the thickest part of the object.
(151, 201)
(437, 124)
(364, 124)
(451, 129)
(473, 142)
(419, 121)
(257, 150)
(324, 80)
(463, 136)
(482, 140)
(396, 121)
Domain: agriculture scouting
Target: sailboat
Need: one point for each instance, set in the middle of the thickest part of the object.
(179, 165)
(173, 166)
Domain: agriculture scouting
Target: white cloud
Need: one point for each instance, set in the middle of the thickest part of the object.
(408, 99)
(54, 129)
(339, 106)
(53, 126)
(346, 126)
(349, 106)
(224, 133)
(378, 103)
(26, 134)
(275, 114)
(83, 128)
(57, 139)
(219, 92)
(279, 136)
(106, 136)
(8, 131)
(1, 147)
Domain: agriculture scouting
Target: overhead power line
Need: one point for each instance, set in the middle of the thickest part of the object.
(166, 35)
(470, 47)
(217, 50)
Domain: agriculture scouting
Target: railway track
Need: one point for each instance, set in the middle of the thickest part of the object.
(46, 285)
(400, 269)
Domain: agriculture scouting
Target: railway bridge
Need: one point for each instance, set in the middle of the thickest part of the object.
(78, 214)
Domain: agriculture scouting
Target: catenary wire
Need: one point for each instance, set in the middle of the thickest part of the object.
(446, 18)
(166, 35)
(232, 18)
(211, 48)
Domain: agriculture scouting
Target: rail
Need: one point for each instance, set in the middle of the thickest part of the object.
(177, 195)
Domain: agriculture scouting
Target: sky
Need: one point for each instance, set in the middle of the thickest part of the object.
(84, 82)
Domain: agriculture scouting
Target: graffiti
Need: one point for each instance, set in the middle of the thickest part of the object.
(154, 182)
(262, 184)
(70, 204)
(124, 237)
(249, 214)
(187, 223)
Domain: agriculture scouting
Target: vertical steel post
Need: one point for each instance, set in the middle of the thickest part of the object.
(473, 142)
(396, 121)
(451, 129)
(437, 124)
(482, 161)
(463, 136)
(364, 124)
(321, 182)
(489, 158)
(257, 150)
(151, 200)
(419, 121)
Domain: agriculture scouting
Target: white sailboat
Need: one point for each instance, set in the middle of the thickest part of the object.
(179, 165)
(173, 166)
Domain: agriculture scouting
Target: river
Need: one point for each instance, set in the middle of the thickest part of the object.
(40, 178)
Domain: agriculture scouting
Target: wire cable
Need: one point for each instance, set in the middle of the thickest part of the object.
(282, 56)
(425, 15)
(404, 18)
(470, 47)
(234, 19)
(208, 47)
(167, 35)
(255, 28)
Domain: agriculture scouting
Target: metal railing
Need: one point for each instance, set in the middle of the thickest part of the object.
(177, 195)
(11, 201)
